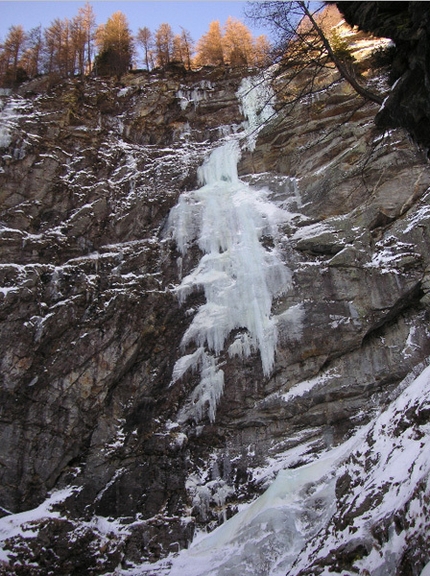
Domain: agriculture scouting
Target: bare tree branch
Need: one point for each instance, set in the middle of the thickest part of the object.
(302, 45)
(345, 73)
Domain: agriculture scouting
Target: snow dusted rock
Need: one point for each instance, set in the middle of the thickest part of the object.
(360, 508)
(408, 26)
(381, 523)
(193, 302)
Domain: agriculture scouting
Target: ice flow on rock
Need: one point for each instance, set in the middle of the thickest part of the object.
(227, 219)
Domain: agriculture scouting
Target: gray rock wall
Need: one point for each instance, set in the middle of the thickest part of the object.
(91, 326)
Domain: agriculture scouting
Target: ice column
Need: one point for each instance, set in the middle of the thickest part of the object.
(238, 274)
(256, 95)
(8, 115)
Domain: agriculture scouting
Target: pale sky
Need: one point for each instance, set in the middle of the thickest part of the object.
(193, 15)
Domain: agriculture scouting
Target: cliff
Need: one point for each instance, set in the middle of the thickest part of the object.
(407, 24)
(211, 321)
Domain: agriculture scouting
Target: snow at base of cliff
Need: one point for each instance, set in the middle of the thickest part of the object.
(306, 517)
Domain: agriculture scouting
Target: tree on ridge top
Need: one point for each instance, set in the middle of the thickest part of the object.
(115, 43)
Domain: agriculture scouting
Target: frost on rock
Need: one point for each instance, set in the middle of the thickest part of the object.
(228, 220)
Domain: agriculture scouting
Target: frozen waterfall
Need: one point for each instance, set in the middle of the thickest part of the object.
(8, 117)
(266, 537)
(228, 219)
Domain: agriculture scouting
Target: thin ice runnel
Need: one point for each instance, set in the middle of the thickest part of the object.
(239, 276)
(8, 116)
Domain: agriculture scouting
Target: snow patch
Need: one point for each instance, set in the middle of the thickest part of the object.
(23, 523)
(304, 387)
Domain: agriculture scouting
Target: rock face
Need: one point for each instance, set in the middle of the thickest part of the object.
(104, 463)
(408, 25)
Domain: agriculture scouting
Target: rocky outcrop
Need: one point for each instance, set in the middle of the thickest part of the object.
(408, 25)
(89, 319)
(96, 440)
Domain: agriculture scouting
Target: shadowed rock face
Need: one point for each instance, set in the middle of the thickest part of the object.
(92, 328)
(408, 25)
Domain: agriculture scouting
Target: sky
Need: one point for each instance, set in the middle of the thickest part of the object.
(193, 15)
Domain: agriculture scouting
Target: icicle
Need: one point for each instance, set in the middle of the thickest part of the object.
(206, 395)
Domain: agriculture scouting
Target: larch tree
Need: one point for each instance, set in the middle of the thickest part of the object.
(79, 42)
(163, 44)
(56, 47)
(262, 51)
(60, 50)
(49, 49)
(209, 48)
(65, 48)
(177, 52)
(238, 43)
(87, 23)
(182, 48)
(187, 44)
(67, 56)
(115, 43)
(144, 39)
(33, 53)
(13, 49)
